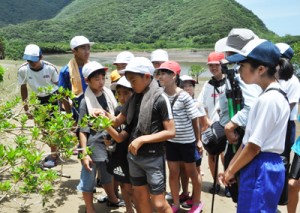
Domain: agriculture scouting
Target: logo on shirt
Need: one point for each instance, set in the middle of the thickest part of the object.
(46, 76)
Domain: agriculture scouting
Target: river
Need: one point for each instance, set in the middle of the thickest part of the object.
(186, 58)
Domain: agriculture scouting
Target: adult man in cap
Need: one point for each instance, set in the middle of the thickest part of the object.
(71, 77)
(38, 74)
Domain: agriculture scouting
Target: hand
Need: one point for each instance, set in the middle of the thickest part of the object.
(98, 112)
(199, 147)
(227, 178)
(86, 162)
(231, 135)
(135, 145)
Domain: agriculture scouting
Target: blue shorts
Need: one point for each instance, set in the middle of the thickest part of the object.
(148, 171)
(181, 152)
(261, 184)
(87, 178)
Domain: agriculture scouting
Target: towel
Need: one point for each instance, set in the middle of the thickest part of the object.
(92, 102)
(151, 94)
(75, 78)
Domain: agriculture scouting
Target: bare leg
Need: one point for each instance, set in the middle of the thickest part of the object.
(141, 193)
(294, 188)
(88, 200)
(109, 189)
(127, 194)
(160, 203)
(174, 170)
(196, 181)
(184, 180)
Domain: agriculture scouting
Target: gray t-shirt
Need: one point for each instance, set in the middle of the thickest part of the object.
(95, 139)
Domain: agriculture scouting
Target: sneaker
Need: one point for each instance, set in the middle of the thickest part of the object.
(50, 162)
(168, 196)
(102, 199)
(174, 209)
(216, 190)
(183, 197)
(120, 203)
(227, 192)
(187, 204)
(196, 208)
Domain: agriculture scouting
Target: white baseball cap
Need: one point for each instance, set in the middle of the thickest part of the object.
(159, 55)
(124, 57)
(187, 78)
(32, 53)
(78, 41)
(235, 41)
(140, 65)
(121, 82)
(91, 67)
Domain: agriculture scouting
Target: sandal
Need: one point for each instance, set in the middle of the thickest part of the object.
(120, 203)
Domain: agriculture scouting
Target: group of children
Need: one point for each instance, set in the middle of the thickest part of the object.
(158, 120)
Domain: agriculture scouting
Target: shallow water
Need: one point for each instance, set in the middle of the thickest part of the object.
(186, 58)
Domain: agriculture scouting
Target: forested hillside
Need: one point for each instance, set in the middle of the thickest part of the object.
(139, 21)
(19, 11)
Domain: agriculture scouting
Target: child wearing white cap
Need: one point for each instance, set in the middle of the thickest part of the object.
(258, 160)
(38, 74)
(118, 164)
(70, 76)
(96, 96)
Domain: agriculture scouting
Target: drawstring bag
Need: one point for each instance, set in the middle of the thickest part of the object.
(214, 139)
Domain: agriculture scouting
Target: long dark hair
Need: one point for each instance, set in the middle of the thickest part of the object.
(285, 70)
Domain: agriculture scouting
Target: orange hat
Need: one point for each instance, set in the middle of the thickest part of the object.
(170, 65)
(114, 76)
(215, 58)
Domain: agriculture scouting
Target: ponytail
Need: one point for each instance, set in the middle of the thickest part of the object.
(286, 69)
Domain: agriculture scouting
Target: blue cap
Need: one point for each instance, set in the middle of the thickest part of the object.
(259, 50)
(285, 50)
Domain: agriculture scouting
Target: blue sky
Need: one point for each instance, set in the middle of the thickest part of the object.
(280, 16)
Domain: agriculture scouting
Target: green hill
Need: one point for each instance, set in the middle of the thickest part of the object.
(124, 23)
(140, 21)
(18, 11)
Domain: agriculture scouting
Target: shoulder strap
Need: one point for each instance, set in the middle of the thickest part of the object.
(174, 100)
(279, 90)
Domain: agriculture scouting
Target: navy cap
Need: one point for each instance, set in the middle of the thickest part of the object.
(285, 50)
(259, 50)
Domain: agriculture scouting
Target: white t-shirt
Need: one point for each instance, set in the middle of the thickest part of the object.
(184, 110)
(267, 122)
(292, 90)
(209, 98)
(48, 75)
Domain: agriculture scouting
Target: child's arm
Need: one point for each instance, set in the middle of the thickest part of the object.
(117, 136)
(86, 161)
(166, 134)
(197, 132)
(241, 159)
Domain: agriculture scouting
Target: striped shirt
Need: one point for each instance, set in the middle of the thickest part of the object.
(184, 110)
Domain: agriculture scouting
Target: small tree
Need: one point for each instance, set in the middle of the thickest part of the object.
(195, 71)
(21, 147)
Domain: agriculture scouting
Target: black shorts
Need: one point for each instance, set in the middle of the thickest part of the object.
(295, 168)
(181, 152)
(119, 169)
